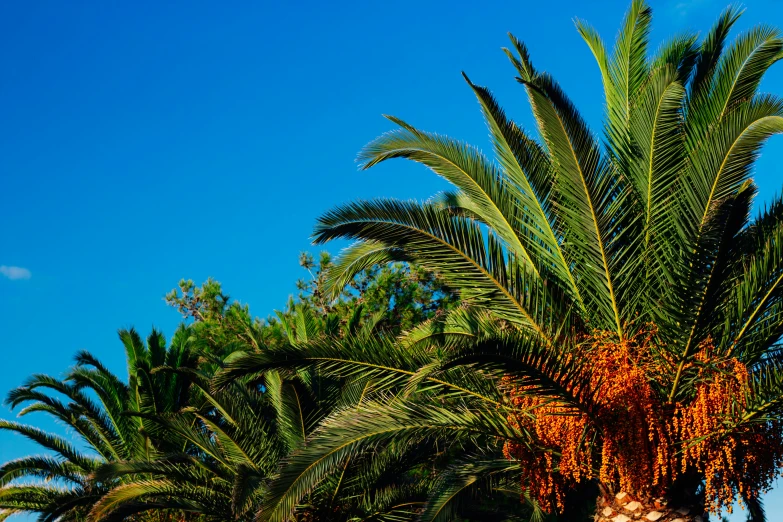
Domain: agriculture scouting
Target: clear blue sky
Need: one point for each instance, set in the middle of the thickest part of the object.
(143, 143)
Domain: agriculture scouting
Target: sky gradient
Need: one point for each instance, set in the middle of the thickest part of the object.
(143, 143)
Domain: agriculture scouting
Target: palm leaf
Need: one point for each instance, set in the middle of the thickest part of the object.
(343, 434)
(452, 246)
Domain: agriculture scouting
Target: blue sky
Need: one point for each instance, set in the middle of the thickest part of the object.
(142, 143)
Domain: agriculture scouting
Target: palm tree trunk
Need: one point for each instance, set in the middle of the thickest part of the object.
(624, 508)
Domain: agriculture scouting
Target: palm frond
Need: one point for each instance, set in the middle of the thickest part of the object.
(529, 172)
(587, 200)
(454, 247)
(462, 482)
(497, 202)
(52, 442)
(343, 434)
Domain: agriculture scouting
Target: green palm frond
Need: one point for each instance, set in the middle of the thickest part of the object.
(543, 371)
(345, 433)
(721, 161)
(736, 76)
(53, 443)
(52, 502)
(287, 403)
(528, 171)
(587, 200)
(494, 200)
(763, 403)
(624, 72)
(190, 498)
(711, 50)
(81, 413)
(464, 481)
(753, 322)
(181, 467)
(359, 257)
(461, 326)
(658, 139)
(452, 246)
(43, 468)
(378, 359)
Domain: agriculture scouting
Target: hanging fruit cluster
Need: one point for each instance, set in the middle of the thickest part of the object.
(633, 440)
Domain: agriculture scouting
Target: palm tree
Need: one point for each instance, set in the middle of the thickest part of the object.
(233, 449)
(621, 309)
(226, 450)
(239, 436)
(105, 412)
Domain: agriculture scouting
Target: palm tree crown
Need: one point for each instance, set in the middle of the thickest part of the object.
(616, 288)
(108, 416)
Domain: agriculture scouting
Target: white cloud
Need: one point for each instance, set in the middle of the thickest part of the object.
(15, 272)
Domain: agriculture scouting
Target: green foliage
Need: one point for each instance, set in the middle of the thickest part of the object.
(380, 392)
(387, 482)
(109, 418)
(555, 240)
(391, 298)
(394, 297)
(160, 438)
(219, 325)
